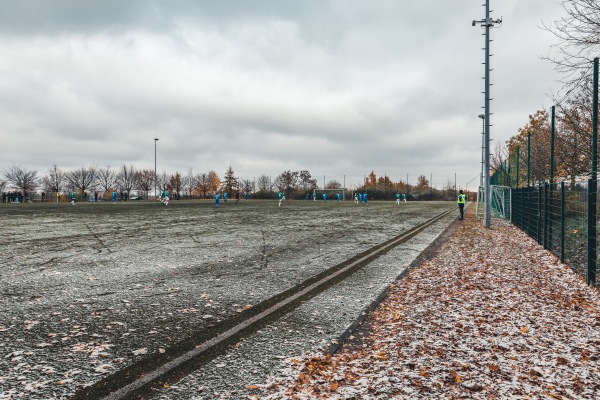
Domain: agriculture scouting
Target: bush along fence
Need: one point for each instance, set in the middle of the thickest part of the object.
(560, 213)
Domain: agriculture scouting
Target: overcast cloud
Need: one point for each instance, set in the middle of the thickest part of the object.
(338, 87)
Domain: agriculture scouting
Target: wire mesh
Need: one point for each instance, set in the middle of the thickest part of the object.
(557, 217)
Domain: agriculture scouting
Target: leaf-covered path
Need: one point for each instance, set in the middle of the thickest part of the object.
(491, 316)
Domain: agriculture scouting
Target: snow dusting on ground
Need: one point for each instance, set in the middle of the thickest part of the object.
(492, 316)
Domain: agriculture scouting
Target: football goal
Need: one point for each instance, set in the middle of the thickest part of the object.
(501, 203)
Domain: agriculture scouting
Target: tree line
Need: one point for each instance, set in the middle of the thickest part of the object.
(530, 148)
(127, 179)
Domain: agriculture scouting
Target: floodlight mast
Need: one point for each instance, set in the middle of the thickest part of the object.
(487, 23)
(482, 148)
(155, 140)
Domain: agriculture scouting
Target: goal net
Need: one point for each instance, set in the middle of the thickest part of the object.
(501, 203)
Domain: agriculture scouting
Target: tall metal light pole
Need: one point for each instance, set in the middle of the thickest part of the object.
(487, 23)
(593, 186)
(528, 158)
(155, 140)
(482, 148)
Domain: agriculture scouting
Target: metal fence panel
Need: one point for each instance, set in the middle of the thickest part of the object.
(556, 216)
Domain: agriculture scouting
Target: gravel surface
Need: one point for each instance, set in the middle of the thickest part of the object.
(492, 316)
(91, 288)
(312, 327)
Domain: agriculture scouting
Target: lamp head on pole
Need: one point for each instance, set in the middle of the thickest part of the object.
(480, 116)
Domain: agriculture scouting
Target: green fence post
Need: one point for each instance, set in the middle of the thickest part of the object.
(518, 157)
(562, 222)
(529, 210)
(551, 186)
(528, 158)
(546, 215)
(592, 186)
(539, 215)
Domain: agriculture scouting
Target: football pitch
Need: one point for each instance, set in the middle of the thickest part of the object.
(90, 288)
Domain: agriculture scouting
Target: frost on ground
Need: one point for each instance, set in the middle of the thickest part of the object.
(88, 290)
(492, 316)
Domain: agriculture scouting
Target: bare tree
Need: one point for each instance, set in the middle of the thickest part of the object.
(247, 185)
(499, 155)
(175, 184)
(333, 184)
(162, 181)
(306, 181)
(188, 182)
(107, 179)
(54, 180)
(450, 189)
(202, 184)
(287, 181)
(144, 180)
(21, 179)
(126, 179)
(3, 185)
(279, 183)
(578, 35)
(82, 179)
(264, 184)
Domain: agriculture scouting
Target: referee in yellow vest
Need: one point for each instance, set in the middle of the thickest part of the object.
(461, 204)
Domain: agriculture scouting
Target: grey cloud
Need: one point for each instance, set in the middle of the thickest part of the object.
(338, 87)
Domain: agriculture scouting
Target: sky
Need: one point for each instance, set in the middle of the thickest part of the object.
(335, 87)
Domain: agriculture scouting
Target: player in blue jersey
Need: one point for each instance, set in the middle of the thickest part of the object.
(217, 198)
(280, 197)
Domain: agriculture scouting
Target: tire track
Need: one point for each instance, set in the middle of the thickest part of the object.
(137, 380)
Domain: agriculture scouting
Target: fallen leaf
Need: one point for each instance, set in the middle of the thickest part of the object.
(141, 351)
